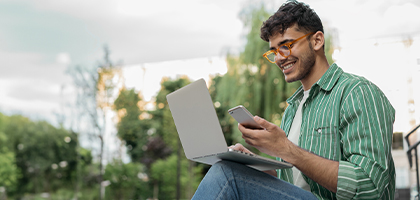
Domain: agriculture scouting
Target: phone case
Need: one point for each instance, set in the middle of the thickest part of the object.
(244, 117)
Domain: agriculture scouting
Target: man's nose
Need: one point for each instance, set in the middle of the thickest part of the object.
(280, 59)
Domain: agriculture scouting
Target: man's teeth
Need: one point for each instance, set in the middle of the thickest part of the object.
(288, 66)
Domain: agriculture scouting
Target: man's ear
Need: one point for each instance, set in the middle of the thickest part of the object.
(318, 40)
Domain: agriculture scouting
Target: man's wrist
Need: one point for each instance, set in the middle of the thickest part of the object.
(293, 153)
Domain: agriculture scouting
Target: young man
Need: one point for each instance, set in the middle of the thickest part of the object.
(336, 131)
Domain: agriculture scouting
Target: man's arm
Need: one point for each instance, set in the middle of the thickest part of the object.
(366, 126)
(321, 170)
(365, 169)
(273, 141)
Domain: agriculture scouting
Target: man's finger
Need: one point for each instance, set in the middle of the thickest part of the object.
(261, 121)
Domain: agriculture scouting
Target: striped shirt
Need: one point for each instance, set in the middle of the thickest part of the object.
(347, 118)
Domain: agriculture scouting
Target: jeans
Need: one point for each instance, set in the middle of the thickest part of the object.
(230, 180)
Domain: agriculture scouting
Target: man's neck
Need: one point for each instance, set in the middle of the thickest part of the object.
(318, 70)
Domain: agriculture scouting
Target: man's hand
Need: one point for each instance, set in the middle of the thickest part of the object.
(271, 140)
(240, 147)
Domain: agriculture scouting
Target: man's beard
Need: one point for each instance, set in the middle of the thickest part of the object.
(307, 61)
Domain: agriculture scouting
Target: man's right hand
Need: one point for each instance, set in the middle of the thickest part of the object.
(240, 147)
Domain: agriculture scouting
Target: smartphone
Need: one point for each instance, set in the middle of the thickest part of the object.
(244, 117)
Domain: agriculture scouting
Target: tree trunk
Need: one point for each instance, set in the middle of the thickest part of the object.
(100, 177)
(155, 190)
(178, 171)
(189, 189)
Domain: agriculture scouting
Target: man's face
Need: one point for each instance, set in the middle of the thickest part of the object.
(300, 62)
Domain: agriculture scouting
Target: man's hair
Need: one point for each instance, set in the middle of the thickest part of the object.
(289, 14)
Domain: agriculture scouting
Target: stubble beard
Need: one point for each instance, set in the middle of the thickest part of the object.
(307, 63)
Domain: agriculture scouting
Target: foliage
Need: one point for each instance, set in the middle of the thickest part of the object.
(127, 181)
(163, 171)
(9, 173)
(95, 89)
(151, 136)
(40, 156)
(131, 129)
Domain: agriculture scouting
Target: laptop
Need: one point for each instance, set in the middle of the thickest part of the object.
(201, 134)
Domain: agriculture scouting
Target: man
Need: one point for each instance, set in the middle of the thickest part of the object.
(336, 131)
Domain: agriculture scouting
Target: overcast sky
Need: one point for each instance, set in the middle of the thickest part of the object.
(41, 39)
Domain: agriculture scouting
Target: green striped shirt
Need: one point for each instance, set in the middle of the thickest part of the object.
(347, 118)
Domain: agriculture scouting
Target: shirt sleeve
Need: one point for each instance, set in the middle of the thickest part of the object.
(366, 126)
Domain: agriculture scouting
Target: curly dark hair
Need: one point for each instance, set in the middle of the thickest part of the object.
(289, 14)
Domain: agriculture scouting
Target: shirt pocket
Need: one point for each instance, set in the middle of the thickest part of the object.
(322, 140)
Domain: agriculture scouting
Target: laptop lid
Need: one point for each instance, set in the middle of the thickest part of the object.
(196, 120)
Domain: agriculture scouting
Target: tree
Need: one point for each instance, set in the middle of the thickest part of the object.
(43, 156)
(165, 125)
(95, 91)
(9, 172)
(163, 171)
(151, 136)
(127, 181)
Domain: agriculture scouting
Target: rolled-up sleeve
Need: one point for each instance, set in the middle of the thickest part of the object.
(366, 124)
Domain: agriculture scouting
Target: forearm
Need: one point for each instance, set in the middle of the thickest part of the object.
(321, 170)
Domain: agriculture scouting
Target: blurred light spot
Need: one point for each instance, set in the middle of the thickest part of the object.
(105, 183)
(67, 139)
(151, 131)
(54, 166)
(63, 164)
(143, 177)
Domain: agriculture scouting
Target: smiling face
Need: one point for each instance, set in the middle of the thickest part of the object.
(299, 64)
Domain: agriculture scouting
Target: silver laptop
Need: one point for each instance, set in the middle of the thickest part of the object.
(200, 131)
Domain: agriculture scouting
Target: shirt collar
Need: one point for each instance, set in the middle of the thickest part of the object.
(326, 82)
(330, 78)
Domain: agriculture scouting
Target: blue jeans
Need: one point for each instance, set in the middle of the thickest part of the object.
(230, 180)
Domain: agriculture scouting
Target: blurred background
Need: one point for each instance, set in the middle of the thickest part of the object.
(83, 85)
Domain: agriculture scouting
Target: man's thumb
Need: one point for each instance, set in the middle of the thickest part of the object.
(261, 121)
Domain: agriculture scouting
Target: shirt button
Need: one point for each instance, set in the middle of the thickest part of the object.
(319, 130)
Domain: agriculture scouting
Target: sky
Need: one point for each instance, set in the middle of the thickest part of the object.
(41, 40)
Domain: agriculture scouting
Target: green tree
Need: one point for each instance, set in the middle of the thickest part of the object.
(131, 129)
(165, 127)
(95, 89)
(162, 170)
(127, 181)
(151, 136)
(44, 155)
(9, 172)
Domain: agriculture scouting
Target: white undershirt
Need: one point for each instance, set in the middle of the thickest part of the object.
(294, 134)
